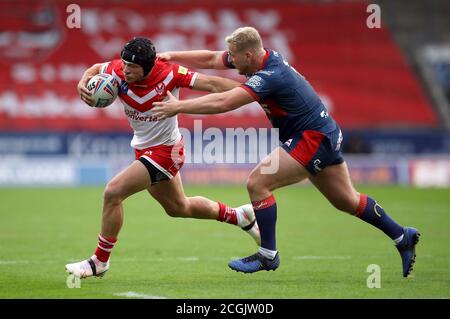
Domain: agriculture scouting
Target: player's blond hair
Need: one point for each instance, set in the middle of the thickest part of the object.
(245, 38)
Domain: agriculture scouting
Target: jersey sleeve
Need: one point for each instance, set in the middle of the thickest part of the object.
(183, 76)
(226, 60)
(260, 85)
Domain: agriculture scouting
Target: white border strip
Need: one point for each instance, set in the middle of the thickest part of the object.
(194, 77)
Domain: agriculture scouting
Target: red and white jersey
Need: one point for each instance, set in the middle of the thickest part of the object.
(137, 99)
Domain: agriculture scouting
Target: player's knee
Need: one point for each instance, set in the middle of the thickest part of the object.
(112, 193)
(257, 187)
(253, 184)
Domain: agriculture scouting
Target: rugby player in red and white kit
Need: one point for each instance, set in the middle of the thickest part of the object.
(158, 146)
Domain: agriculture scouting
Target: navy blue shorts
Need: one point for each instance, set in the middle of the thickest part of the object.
(315, 150)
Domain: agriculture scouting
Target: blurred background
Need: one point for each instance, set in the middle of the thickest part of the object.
(388, 87)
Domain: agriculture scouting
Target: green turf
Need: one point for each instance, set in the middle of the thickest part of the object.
(324, 253)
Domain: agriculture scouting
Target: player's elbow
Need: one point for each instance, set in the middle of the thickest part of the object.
(214, 60)
(203, 62)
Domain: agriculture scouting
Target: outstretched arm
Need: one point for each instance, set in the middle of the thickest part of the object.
(214, 84)
(209, 104)
(81, 87)
(200, 59)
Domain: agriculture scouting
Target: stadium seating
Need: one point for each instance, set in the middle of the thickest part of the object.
(363, 76)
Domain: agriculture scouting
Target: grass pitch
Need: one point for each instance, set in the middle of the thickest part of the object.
(324, 253)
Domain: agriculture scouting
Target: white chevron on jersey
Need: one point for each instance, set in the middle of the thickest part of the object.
(151, 94)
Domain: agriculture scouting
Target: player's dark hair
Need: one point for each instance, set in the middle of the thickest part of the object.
(140, 51)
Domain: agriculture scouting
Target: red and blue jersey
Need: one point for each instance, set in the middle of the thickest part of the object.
(288, 99)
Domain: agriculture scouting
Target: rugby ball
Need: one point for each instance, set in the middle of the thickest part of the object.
(104, 89)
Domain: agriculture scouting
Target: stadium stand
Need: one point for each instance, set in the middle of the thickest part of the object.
(422, 30)
(388, 98)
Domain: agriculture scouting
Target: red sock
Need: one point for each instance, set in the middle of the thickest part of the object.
(227, 214)
(105, 245)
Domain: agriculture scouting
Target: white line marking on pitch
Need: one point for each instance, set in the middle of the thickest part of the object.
(181, 259)
(188, 258)
(12, 262)
(132, 294)
(159, 259)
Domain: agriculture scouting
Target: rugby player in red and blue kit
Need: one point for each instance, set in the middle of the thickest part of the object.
(310, 142)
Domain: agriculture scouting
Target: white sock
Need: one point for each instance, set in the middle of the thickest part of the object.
(240, 216)
(399, 239)
(270, 254)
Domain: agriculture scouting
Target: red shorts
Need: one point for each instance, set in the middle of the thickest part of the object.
(162, 161)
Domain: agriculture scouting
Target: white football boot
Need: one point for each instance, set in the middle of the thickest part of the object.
(88, 268)
(247, 221)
